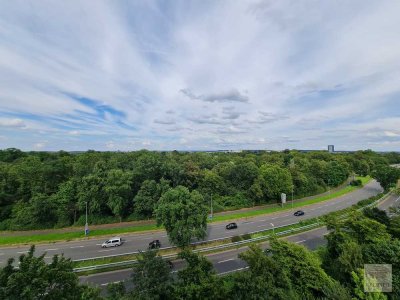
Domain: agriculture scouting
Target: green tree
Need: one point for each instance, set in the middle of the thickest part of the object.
(198, 279)
(275, 180)
(387, 176)
(265, 279)
(358, 280)
(183, 215)
(39, 212)
(118, 190)
(146, 199)
(151, 277)
(308, 279)
(34, 279)
(377, 215)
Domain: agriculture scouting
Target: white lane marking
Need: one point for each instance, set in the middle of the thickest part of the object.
(164, 236)
(103, 284)
(22, 252)
(51, 249)
(300, 241)
(99, 244)
(260, 226)
(77, 247)
(48, 257)
(227, 272)
(248, 222)
(222, 261)
(107, 250)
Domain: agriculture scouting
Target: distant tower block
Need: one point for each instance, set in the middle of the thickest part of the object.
(331, 148)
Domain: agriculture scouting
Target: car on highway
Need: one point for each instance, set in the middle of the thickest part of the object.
(299, 213)
(231, 226)
(154, 244)
(113, 242)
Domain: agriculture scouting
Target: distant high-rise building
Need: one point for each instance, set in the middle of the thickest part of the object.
(331, 148)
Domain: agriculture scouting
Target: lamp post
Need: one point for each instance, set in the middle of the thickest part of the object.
(292, 196)
(273, 228)
(86, 225)
(211, 208)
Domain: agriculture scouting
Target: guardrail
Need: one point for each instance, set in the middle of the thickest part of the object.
(219, 247)
(224, 246)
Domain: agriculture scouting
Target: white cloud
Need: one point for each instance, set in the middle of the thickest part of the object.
(270, 69)
(13, 123)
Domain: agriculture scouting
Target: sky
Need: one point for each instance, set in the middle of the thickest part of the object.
(199, 75)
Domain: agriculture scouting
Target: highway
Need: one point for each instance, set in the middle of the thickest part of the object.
(90, 248)
(228, 261)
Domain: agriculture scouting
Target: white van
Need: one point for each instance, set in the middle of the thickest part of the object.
(113, 242)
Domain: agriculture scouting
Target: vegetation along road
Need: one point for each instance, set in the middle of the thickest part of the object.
(133, 242)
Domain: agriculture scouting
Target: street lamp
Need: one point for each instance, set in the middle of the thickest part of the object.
(211, 208)
(292, 195)
(273, 228)
(86, 225)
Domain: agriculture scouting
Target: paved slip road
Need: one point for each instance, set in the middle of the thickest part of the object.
(90, 248)
(228, 261)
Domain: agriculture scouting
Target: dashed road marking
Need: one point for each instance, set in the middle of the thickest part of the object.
(103, 284)
(298, 242)
(107, 250)
(73, 247)
(55, 249)
(21, 252)
(226, 260)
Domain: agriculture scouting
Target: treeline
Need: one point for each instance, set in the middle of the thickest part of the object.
(45, 190)
(284, 271)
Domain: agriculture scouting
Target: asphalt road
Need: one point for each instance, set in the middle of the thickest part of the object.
(90, 248)
(228, 261)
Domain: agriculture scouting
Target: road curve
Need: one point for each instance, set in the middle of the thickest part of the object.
(90, 248)
(228, 261)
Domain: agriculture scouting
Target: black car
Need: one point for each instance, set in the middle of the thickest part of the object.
(298, 213)
(231, 226)
(154, 244)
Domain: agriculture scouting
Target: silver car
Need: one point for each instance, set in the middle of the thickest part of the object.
(113, 242)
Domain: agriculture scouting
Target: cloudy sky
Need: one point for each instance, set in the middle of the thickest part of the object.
(199, 75)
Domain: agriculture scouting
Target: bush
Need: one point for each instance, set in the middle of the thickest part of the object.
(236, 238)
(356, 182)
(246, 236)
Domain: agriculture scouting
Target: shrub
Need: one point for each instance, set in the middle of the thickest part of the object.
(356, 182)
(236, 238)
(246, 236)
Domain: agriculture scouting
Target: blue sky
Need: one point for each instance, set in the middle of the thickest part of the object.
(199, 75)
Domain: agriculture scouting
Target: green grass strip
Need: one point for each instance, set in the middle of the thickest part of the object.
(288, 205)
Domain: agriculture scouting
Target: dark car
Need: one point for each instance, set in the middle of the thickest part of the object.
(299, 213)
(154, 244)
(231, 226)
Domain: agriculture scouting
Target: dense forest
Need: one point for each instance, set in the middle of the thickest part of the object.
(45, 190)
